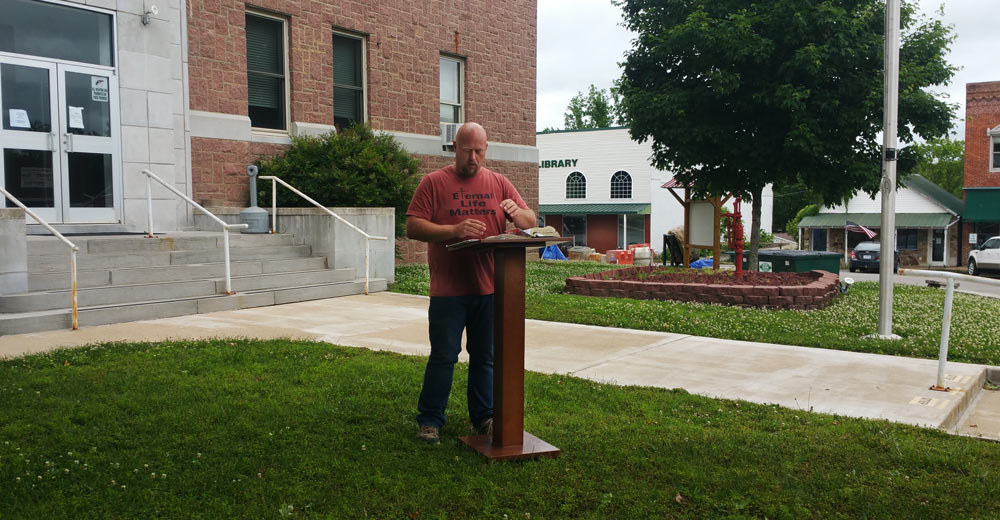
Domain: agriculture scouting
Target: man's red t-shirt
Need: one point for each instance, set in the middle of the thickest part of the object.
(445, 197)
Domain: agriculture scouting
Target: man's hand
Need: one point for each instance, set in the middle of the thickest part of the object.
(469, 228)
(510, 208)
(523, 218)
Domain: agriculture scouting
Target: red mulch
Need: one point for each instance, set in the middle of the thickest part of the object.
(717, 278)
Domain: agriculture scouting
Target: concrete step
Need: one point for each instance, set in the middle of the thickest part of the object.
(49, 245)
(61, 280)
(982, 418)
(239, 253)
(50, 263)
(90, 262)
(27, 322)
(279, 280)
(110, 295)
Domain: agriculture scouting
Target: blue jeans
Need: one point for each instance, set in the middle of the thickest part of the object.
(448, 316)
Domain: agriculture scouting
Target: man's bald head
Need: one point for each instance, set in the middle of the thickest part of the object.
(470, 149)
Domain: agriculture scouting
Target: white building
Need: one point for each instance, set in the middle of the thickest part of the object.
(926, 218)
(598, 186)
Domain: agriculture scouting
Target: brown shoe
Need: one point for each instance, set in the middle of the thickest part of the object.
(429, 434)
(485, 427)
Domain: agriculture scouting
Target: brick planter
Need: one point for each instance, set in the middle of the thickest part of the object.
(622, 283)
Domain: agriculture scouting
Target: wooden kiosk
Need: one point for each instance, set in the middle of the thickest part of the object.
(701, 221)
(509, 440)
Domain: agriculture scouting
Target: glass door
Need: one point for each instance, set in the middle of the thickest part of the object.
(88, 143)
(60, 140)
(937, 245)
(28, 137)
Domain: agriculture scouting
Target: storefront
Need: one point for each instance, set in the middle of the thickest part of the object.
(926, 224)
(597, 186)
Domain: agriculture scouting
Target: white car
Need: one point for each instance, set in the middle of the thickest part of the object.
(986, 256)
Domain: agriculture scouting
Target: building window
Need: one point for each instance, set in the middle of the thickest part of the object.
(621, 185)
(348, 80)
(266, 71)
(995, 162)
(576, 227)
(57, 31)
(819, 239)
(452, 71)
(906, 239)
(635, 230)
(576, 186)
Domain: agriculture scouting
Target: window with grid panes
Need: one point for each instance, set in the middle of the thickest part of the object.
(906, 239)
(621, 185)
(576, 186)
(451, 89)
(265, 37)
(348, 80)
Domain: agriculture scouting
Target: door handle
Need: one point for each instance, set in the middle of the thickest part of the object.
(52, 143)
(67, 142)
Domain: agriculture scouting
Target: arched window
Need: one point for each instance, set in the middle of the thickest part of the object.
(576, 186)
(621, 185)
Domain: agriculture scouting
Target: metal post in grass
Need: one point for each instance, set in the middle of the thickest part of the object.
(945, 332)
(888, 187)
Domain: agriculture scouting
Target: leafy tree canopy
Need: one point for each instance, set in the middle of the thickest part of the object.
(941, 161)
(735, 94)
(595, 109)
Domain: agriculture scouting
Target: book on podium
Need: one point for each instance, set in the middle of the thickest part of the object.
(509, 441)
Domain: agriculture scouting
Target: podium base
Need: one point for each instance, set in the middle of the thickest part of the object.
(531, 448)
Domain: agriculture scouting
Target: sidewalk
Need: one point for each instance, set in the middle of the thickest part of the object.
(810, 379)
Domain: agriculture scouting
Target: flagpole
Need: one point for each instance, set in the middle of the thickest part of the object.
(888, 187)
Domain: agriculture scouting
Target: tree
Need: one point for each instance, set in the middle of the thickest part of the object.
(735, 94)
(788, 200)
(595, 109)
(941, 161)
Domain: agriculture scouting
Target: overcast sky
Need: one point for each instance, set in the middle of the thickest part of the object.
(581, 42)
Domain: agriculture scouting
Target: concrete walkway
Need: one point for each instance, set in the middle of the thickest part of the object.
(828, 381)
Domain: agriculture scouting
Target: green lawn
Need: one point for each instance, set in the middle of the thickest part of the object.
(266, 429)
(842, 326)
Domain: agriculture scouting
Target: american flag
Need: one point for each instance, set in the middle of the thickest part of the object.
(855, 228)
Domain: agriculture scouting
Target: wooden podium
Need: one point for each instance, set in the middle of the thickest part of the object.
(509, 440)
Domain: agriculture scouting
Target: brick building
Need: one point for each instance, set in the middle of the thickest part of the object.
(982, 164)
(195, 90)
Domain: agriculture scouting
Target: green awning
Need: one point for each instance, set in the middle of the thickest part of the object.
(874, 220)
(982, 205)
(593, 209)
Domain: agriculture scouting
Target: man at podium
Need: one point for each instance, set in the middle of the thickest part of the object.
(459, 202)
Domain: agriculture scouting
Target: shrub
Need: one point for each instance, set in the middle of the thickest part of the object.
(354, 168)
(792, 227)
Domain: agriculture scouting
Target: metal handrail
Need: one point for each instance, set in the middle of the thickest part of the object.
(225, 227)
(72, 249)
(946, 320)
(274, 217)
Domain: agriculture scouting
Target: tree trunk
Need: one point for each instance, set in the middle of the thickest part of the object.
(755, 227)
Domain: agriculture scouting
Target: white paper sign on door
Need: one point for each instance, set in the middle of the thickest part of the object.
(76, 117)
(19, 118)
(99, 89)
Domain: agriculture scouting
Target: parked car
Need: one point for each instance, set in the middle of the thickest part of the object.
(986, 256)
(867, 256)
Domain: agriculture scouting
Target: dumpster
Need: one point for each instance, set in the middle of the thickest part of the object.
(795, 261)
